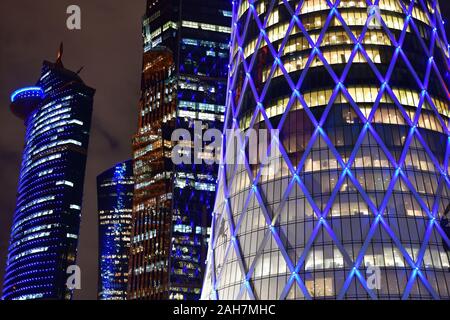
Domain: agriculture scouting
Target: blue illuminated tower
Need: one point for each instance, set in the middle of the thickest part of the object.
(115, 203)
(44, 235)
(183, 81)
(359, 94)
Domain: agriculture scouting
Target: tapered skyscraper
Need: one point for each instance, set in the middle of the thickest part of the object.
(115, 202)
(44, 235)
(360, 96)
(183, 81)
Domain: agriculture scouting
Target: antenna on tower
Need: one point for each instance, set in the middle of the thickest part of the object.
(60, 54)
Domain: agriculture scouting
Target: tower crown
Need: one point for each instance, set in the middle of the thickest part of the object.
(23, 101)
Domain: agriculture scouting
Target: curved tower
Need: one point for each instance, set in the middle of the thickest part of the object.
(359, 93)
(115, 189)
(44, 235)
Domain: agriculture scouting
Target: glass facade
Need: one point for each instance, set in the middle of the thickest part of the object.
(44, 234)
(186, 57)
(362, 107)
(115, 205)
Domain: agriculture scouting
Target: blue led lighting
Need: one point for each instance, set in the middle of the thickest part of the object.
(50, 184)
(115, 198)
(27, 92)
(381, 209)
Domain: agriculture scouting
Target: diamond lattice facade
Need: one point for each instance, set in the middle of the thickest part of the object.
(357, 210)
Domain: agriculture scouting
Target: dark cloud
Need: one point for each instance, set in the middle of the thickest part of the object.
(109, 47)
(98, 127)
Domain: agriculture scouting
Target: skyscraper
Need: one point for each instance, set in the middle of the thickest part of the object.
(360, 96)
(44, 235)
(183, 81)
(115, 203)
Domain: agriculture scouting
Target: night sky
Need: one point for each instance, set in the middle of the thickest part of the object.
(109, 46)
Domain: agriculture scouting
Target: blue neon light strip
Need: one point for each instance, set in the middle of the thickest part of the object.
(33, 91)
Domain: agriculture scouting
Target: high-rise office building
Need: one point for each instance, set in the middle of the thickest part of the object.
(44, 235)
(115, 189)
(183, 81)
(356, 210)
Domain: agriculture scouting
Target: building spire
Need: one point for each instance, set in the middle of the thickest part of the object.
(60, 54)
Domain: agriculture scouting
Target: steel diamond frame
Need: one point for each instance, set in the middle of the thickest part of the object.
(321, 222)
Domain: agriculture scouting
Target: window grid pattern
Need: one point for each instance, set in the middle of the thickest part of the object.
(270, 232)
(115, 205)
(46, 222)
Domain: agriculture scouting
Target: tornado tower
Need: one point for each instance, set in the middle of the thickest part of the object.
(44, 235)
(359, 93)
